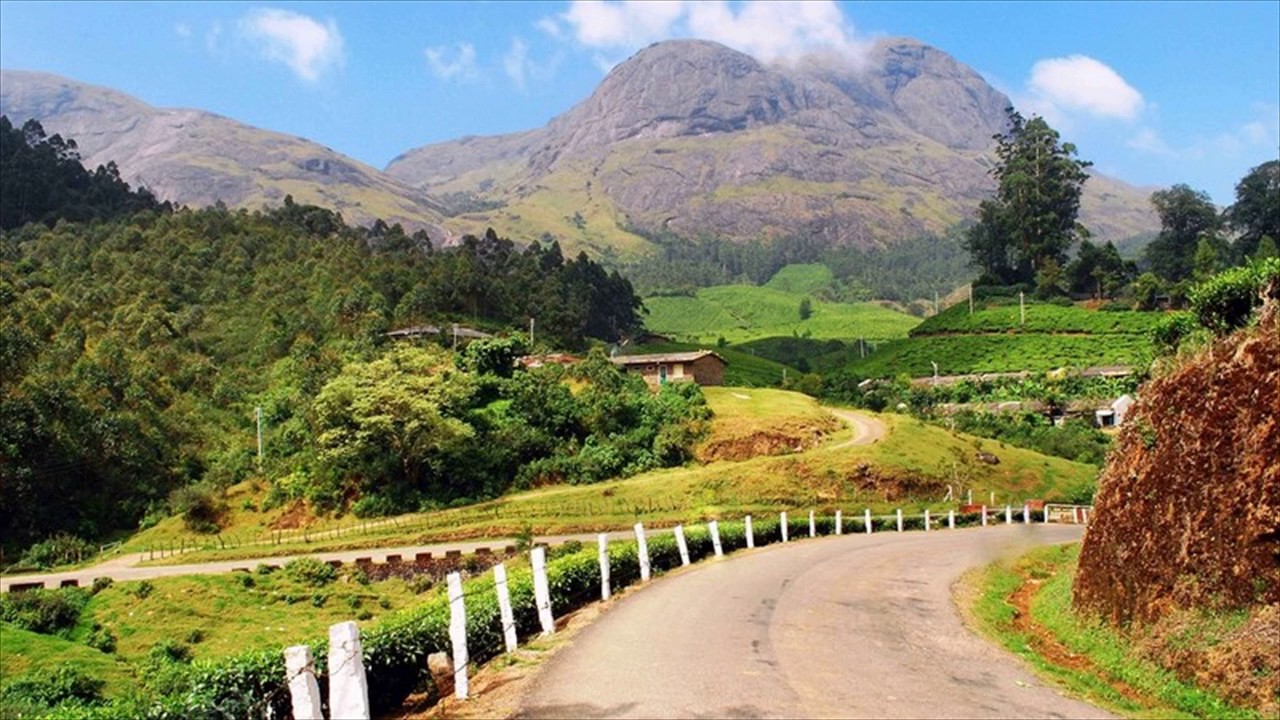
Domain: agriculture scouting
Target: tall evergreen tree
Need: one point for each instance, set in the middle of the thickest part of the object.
(1256, 211)
(1186, 215)
(1031, 222)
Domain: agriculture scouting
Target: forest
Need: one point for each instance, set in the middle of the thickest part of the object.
(138, 339)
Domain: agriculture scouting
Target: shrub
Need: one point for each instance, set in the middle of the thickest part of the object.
(141, 589)
(195, 637)
(1171, 331)
(61, 549)
(310, 571)
(200, 505)
(421, 584)
(101, 639)
(1225, 301)
(169, 651)
(63, 685)
(44, 611)
(100, 584)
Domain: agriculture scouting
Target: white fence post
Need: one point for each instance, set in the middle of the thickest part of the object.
(951, 519)
(813, 531)
(303, 689)
(866, 519)
(783, 520)
(926, 520)
(642, 552)
(1085, 512)
(458, 635)
(1046, 512)
(681, 544)
(1008, 515)
(542, 590)
(348, 686)
(984, 516)
(838, 523)
(714, 527)
(899, 519)
(504, 607)
(603, 541)
(1026, 514)
(751, 536)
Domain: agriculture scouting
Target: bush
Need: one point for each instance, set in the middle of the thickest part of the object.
(61, 549)
(200, 505)
(310, 571)
(101, 639)
(1225, 301)
(47, 612)
(169, 651)
(100, 584)
(63, 685)
(141, 589)
(1171, 331)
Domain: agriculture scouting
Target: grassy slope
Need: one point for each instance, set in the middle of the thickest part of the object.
(913, 455)
(993, 339)
(1151, 691)
(23, 652)
(745, 312)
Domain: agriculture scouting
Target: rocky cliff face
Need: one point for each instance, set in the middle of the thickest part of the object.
(198, 158)
(695, 138)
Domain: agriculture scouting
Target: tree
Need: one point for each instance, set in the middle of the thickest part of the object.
(1031, 222)
(1205, 262)
(1099, 270)
(1185, 215)
(806, 309)
(1256, 211)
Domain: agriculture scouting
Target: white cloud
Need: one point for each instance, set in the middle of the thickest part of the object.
(449, 64)
(183, 30)
(306, 45)
(1081, 84)
(1248, 139)
(516, 61)
(1149, 141)
(766, 29)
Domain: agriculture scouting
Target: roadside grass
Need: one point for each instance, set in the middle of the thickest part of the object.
(1112, 674)
(23, 652)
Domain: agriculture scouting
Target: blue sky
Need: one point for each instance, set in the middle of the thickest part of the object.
(1153, 93)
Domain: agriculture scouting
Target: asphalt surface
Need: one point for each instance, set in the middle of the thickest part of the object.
(854, 626)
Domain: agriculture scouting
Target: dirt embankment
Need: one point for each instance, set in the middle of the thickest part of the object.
(1187, 521)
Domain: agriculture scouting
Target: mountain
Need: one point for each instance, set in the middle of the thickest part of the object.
(198, 158)
(694, 138)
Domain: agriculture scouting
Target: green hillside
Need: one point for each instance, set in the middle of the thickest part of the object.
(740, 313)
(1002, 315)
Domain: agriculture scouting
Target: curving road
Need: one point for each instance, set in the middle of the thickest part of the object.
(866, 429)
(843, 627)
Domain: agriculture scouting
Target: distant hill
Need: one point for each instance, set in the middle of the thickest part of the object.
(692, 138)
(196, 158)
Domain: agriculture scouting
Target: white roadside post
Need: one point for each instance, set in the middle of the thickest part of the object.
(458, 635)
(681, 544)
(984, 516)
(303, 689)
(1085, 511)
(542, 590)
(504, 607)
(1008, 515)
(603, 541)
(1046, 512)
(1026, 514)
(714, 527)
(838, 523)
(642, 552)
(348, 686)
(783, 524)
(951, 519)
(813, 530)
(899, 519)
(926, 520)
(866, 519)
(751, 536)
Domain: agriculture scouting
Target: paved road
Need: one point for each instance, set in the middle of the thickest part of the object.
(841, 627)
(866, 429)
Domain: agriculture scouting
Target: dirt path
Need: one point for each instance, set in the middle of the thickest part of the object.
(853, 626)
(866, 429)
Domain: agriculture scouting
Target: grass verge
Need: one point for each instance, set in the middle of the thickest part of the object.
(1025, 605)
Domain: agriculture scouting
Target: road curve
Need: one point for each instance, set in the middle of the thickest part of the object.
(854, 626)
(866, 429)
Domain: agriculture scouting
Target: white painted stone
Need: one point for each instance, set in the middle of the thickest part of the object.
(839, 529)
(751, 536)
(714, 527)
(783, 521)
(951, 519)
(603, 541)
(866, 519)
(926, 521)
(304, 691)
(642, 551)
(348, 686)
(682, 545)
(1008, 515)
(899, 519)
(542, 590)
(1026, 514)
(1046, 512)
(984, 516)
(458, 635)
(813, 531)
(504, 607)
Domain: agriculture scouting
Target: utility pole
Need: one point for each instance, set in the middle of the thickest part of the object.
(935, 302)
(258, 413)
(1022, 306)
(530, 334)
(970, 298)
(935, 372)
(455, 337)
